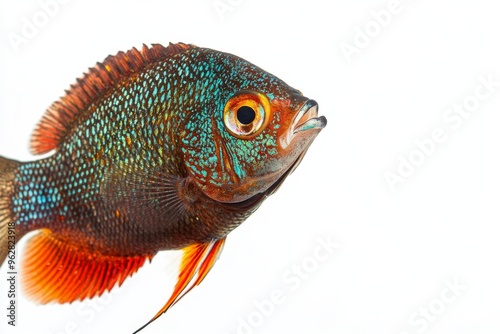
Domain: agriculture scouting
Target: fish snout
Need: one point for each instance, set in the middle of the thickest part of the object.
(306, 120)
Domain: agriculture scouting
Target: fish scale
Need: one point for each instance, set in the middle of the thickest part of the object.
(149, 153)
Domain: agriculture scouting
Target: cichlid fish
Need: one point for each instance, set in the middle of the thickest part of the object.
(158, 149)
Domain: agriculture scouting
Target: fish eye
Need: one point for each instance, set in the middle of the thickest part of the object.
(246, 114)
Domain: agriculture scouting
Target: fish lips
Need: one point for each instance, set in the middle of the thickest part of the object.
(305, 121)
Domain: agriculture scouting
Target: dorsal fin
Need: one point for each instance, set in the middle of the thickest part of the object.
(99, 79)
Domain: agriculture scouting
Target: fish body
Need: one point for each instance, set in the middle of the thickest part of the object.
(158, 149)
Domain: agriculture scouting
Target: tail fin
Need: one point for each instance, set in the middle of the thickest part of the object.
(7, 174)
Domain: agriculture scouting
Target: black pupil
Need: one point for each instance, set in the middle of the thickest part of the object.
(245, 115)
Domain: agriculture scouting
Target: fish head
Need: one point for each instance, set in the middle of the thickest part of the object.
(260, 129)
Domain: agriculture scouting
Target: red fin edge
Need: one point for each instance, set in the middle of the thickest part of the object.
(57, 271)
(196, 262)
(99, 79)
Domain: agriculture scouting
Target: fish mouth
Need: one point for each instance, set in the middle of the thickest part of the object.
(306, 119)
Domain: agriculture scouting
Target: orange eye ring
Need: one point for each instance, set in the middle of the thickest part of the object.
(246, 114)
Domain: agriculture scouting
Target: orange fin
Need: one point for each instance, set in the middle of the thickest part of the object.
(197, 261)
(54, 124)
(57, 271)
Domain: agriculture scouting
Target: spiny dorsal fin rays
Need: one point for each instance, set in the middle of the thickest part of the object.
(196, 262)
(54, 124)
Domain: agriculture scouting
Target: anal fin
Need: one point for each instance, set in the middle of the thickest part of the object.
(57, 271)
(196, 262)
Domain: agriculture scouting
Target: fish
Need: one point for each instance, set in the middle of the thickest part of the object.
(157, 148)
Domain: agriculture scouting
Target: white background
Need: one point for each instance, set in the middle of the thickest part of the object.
(397, 248)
